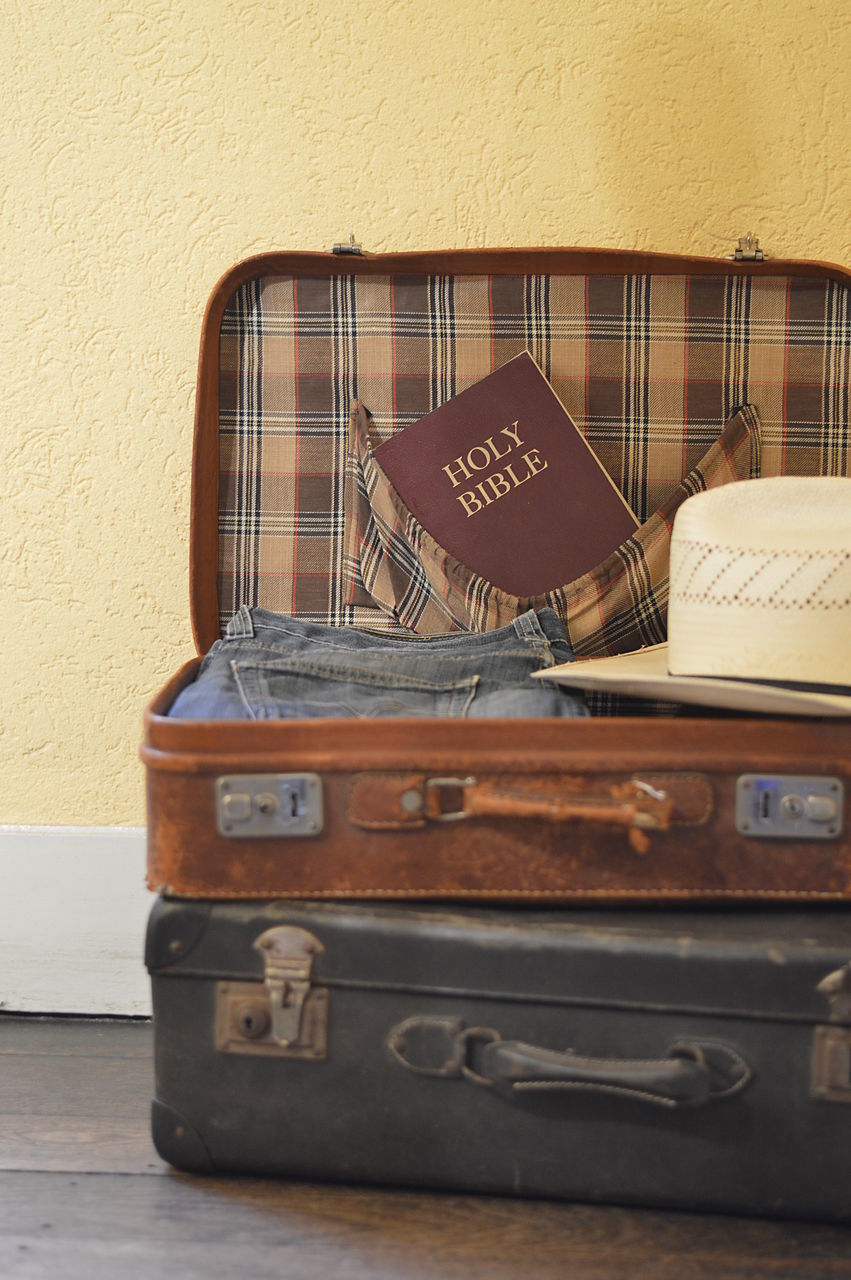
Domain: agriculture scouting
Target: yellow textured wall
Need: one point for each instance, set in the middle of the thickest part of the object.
(149, 147)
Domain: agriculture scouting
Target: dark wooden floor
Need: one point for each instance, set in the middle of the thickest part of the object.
(83, 1196)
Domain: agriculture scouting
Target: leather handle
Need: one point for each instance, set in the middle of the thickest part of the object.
(681, 1079)
(649, 802)
(690, 1074)
(634, 804)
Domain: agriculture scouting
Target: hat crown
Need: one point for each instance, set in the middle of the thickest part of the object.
(795, 513)
(760, 584)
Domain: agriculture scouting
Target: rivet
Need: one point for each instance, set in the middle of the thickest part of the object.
(411, 801)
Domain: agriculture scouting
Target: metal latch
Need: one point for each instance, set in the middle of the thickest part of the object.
(831, 1077)
(269, 804)
(831, 1067)
(352, 248)
(748, 250)
(286, 1016)
(837, 987)
(785, 806)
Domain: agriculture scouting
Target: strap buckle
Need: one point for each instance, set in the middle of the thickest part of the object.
(433, 809)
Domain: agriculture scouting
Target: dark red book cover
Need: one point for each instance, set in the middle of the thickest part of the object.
(503, 480)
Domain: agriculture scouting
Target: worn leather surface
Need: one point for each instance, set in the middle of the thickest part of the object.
(425, 1003)
(372, 847)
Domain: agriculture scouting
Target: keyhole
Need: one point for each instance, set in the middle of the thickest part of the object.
(252, 1020)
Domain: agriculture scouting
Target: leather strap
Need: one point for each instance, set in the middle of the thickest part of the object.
(690, 1074)
(401, 801)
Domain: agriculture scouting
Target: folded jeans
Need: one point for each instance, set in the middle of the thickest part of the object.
(271, 667)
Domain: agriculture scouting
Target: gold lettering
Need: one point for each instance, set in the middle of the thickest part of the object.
(500, 489)
(457, 480)
(468, 498)
(517, 483)
(483, 491)
(478, 448)
(515, 436)
(496, 453)
(533, 461)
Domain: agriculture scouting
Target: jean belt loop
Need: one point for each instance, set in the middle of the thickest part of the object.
(241, 625)
(523, 625)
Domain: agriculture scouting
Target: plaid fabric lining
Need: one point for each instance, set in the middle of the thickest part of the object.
(649, 367)
(615, 608)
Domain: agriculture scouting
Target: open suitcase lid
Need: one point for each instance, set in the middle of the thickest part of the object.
(649, 353)
(744, 963)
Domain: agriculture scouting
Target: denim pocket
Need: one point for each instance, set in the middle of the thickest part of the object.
(309, 689)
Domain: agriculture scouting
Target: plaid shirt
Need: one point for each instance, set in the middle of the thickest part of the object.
(618, 606)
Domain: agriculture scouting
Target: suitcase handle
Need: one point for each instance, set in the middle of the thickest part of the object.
(401, 801)
(691, 1074)
(636, 805)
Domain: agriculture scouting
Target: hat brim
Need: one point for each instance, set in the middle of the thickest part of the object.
(644, 674)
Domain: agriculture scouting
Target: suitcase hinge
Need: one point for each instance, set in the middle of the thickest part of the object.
(831, 1069)
(350, 249)
(748, 250)
(287, 1016)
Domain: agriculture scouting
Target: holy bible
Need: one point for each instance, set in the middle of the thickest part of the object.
(503, 480)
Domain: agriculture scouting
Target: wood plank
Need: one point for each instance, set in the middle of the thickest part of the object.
(75, 1095)
(89, 1037)
(62, 1144)
(85, 1227)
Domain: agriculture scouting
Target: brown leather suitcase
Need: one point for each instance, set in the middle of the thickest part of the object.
(651, 355)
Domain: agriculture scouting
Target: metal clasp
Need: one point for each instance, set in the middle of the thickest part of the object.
(648, 820)
(837, 987)
(288, 954)
(252, 806)
(433, 784)
(831, 1069)
(353, 249)
(831, 1065)
(748, 250)
(284, 1016)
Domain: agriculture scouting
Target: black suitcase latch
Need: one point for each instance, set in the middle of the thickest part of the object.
(286, 1016)
(831, 1068)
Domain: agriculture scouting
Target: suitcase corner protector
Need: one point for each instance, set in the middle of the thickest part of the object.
(177, 1141)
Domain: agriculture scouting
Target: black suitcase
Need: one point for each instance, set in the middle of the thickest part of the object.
(694, 1060)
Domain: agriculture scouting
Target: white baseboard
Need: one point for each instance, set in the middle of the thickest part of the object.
(73, 907)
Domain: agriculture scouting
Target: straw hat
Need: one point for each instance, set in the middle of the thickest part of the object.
(759, 610)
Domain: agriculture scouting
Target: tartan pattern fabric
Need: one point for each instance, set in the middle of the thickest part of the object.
(618, 606)
(649, 367)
